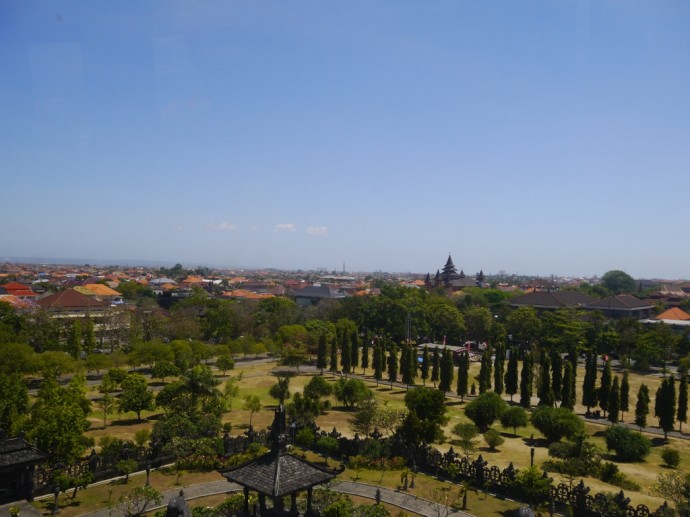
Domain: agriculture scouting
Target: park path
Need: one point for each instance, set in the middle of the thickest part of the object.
(402, 500)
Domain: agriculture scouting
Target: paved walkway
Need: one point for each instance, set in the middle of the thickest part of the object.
(403, 500)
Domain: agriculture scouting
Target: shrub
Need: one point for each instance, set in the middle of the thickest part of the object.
(493, 439)
(670, 456)
(629, 445)
(305, 438)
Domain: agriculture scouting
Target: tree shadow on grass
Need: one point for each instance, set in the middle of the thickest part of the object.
(658, 442)
(538, 442)
(128, 421)
(399, 392)
(451, 403)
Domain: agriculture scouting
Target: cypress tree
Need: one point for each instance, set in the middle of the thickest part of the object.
(404, 357)
(557, 375)
(625, 394)
(499, 368)
(425, 364)
(411, 364)
(376, 363)
(334, 356)
(463, 375)
(485, 372)
(642, 407)
(435, 367)
(393, 364)
(365, 354)
(614, 401)
(446, 371)
(682, 415)
(545, 392)
(667, 416)
(354, 350)
(589, 391)
(346, 354)
(567, 398)
(89, 336)
(572, 358)
(321, 353)
(605, 387)
(512, 374)
(526, 381)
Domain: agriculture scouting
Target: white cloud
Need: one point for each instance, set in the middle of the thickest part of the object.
(222, 227)
(320, 231)
(285, 227)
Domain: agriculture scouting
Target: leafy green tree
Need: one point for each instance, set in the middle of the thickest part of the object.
(107, 404)
(642, 406)
(485, 371)
(589, 391)
(281, 389)
(478, 321)
(435, 366)
(14, 402)
(511, 378)
(351, 392)
(526, 381)
(425, 364)
(224, 363)
(463, 375)
(163, 369)
(524, 325)
(618, 282)
(545, 392)
(499, 369)
(567, 398)
(485, 409)
(89, 336)
(252, 403)
(446, 371)
(328, 445)
(625, 394)
(138, 501)
(466, 434)
(514, 417)
(58, 421)
(614, 401)
(532, 486)
(555, 423)
(135, 395)
(364, 418)
(682, 414)
(427, 414)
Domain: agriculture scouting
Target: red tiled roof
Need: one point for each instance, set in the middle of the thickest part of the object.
(70, 299)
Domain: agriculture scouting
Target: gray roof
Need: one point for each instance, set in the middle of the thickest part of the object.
(278, 474)
(16, 452)
(620, 302)
(553, 299)
(318, 291)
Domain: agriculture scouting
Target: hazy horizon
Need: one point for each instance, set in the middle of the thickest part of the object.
(532, 137)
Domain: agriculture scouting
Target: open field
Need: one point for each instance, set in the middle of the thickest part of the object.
(256, 379)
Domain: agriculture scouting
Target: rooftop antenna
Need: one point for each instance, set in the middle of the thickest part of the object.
(343, 267)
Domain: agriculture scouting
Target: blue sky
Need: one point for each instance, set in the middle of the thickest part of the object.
(535, 137)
